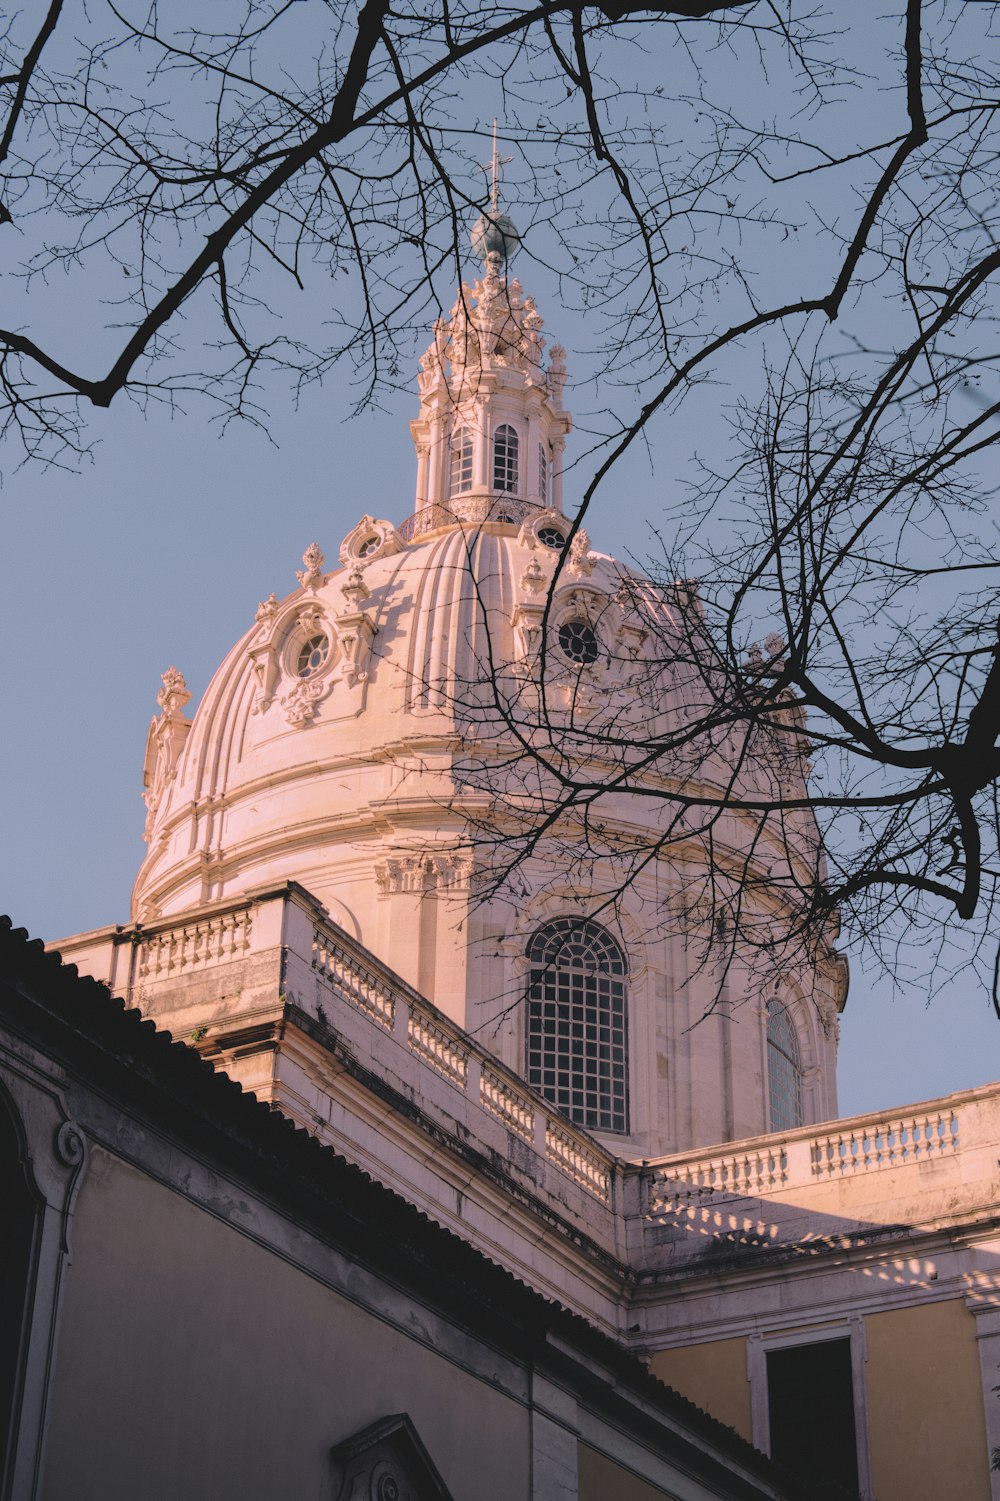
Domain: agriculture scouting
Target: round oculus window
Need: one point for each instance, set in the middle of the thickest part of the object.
(551, 536)
(578, 640)
(369, 545)
(312, 656)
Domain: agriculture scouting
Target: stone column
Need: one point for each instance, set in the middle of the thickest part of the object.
(481, 457)
(558, 446)
(529, 478)
(437, 489)
(422, 476)
(985, 1305)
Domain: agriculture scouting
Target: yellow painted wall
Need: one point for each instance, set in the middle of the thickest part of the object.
(600, 1479)
(925, 1405)
(713, 1376)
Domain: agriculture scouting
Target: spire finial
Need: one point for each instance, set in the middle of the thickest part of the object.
(495, 231)
(493, 167)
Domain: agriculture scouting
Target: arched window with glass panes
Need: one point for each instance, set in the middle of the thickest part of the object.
(577, 1022)
(784, 1069)
(505, 456)
(460, 478)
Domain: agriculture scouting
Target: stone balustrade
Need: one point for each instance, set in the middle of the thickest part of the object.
(671, 1189)
(353, 976)
(866, 1146)
(841, 1178)
(187, 946)
(352, 979)
(801, 1159)
(473, 512)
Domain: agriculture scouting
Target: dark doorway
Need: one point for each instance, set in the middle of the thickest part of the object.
(810, 1393)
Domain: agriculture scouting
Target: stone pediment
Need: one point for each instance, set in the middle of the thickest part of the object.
(386, 1462)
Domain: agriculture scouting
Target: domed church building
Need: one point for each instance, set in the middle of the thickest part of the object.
(582, 1188)
(362, 734)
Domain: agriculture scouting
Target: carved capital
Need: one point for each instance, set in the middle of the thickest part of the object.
(423, 873)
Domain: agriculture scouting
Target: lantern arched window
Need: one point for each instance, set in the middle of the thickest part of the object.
(784, 1069)
(460, 477)
(577, 1022)
(505, 459)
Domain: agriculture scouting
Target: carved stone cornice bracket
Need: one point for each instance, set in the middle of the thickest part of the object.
(264, 665)
(444, 872)
(527, 622)
(355, 634)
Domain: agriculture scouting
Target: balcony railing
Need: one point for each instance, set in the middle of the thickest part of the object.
(471, 510)
(443, 1046)
(769, 1166)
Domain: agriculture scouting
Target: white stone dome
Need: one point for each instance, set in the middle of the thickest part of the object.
(360, 739)
(330, 728)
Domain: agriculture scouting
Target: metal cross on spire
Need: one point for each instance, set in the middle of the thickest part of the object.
(494, 233)
(493, 168)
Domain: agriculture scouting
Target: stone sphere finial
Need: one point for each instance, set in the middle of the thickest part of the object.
(495, 233)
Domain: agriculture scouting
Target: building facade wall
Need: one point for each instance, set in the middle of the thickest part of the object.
(600, 1479)
(925, 1404)
(185, 1348)
(919, 1400)
(713, 1376)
